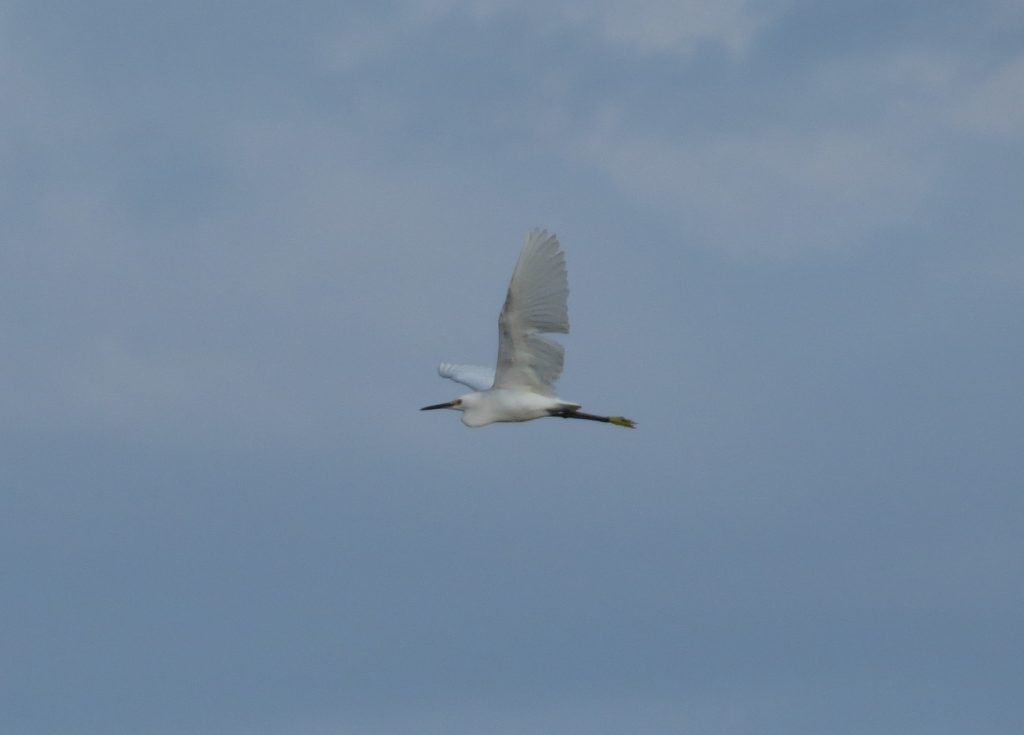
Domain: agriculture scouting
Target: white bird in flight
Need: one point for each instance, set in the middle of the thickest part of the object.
(521, 387)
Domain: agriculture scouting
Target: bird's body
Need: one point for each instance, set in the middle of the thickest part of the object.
(505, 404)
(521, 387)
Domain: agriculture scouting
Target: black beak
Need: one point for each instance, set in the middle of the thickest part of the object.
(449, 404)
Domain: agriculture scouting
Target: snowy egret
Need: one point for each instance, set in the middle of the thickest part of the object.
(521, 387)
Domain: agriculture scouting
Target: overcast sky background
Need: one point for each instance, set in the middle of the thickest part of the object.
(236, 238)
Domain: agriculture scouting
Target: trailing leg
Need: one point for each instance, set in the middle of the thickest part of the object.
(566, 413)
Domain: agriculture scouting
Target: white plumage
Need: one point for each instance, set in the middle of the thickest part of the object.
(476, 377)
(537, 302)
(522, 386)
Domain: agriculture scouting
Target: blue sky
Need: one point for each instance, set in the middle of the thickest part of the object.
(238, 238)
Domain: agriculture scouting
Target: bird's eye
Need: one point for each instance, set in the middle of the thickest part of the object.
(457, 402)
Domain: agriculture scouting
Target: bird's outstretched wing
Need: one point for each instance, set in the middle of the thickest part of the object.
(536, 303)
(472, 376)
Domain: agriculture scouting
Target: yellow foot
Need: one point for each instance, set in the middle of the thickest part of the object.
(622, 421)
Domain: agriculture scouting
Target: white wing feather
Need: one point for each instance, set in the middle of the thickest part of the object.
(472, 376)
(537, 302)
